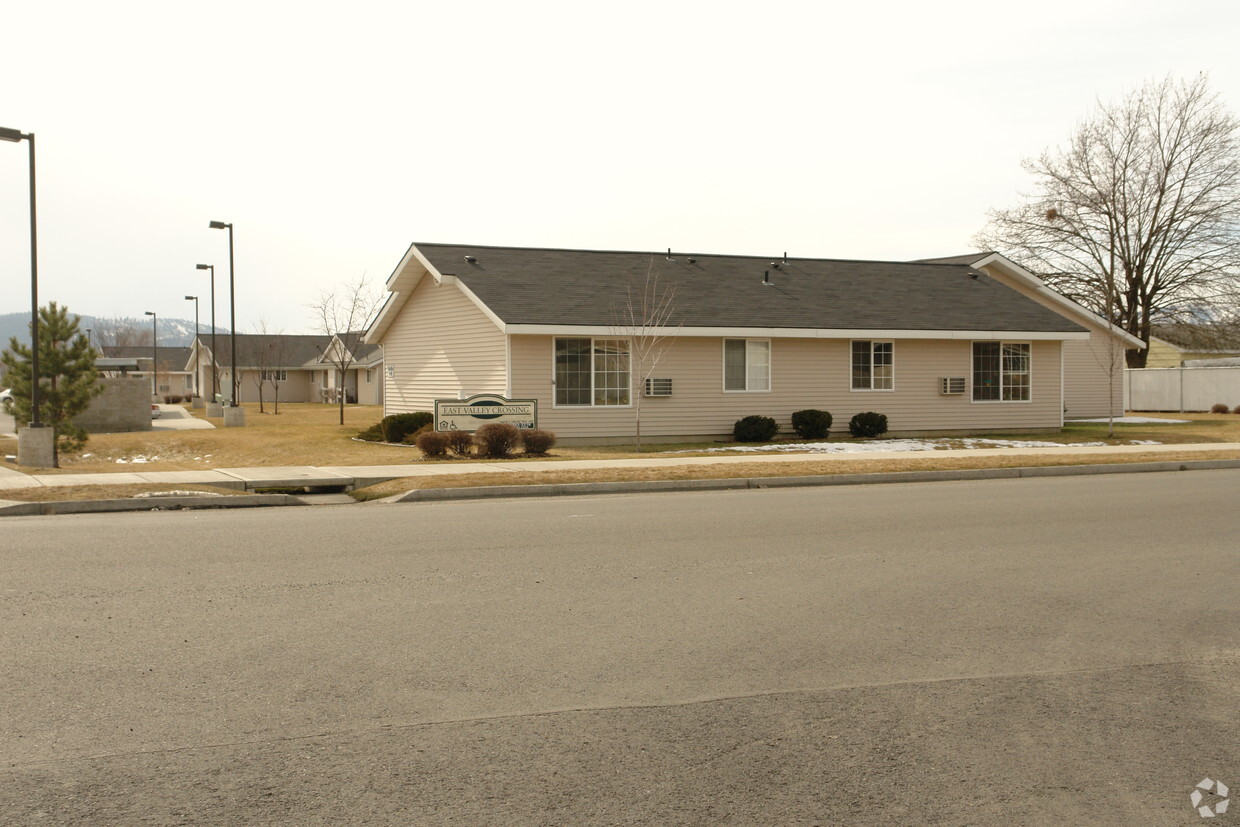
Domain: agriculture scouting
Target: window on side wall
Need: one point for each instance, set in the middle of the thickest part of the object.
(591, 372)
(1001, 371)
(746, 364)
(873, 366)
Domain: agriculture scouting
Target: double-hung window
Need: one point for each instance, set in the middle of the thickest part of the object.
(591, 371)
(873, 366)
(1001, 371)
(746, 364)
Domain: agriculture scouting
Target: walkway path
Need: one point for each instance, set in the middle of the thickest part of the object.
(362, 475)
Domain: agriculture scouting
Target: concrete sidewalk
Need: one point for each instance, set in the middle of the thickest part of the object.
(357, 476)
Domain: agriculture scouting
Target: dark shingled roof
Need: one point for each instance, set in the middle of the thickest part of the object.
(581, 287)
(170, 358)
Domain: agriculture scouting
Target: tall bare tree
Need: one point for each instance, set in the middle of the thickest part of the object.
(646, 318)
(1143, 202)
(345, 312)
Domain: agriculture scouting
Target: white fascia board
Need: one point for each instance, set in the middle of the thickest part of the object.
(791, 333)
(412, 268)
(486, 311)
(1030, 280)
(400, 285)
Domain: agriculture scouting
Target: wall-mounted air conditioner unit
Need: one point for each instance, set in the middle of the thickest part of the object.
(951, 385)
(658, 387)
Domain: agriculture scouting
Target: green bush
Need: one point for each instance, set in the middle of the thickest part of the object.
(755, 429)
(460, 443)
(537, 441)
(398, 426)
(497, 439)
(372, 434)
(433, 444)
(867, 424)
(812, 424)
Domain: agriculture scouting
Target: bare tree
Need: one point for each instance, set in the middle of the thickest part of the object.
(1145, 202)
(344, 313)
(263, 360)
(646, 319)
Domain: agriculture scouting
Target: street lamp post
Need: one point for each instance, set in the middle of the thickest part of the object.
(14, 136)
(215, 384)
(232, 302)
(194, 299)
(154, 353)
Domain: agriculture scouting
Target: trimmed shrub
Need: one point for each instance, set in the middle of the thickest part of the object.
(497, 439)
(398, 426)
(537, 441)
(1219, 407)
(412, 439)
(460, 443)
(868, 424)
(812, 424)
(755, 429)
(433, 444)
(372, 434)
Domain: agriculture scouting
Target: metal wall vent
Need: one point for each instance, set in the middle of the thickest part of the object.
(658, 387)
(951, 385)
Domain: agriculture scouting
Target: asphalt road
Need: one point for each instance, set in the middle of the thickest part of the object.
(1059, 650)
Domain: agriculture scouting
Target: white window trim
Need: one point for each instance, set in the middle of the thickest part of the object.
(723, 366)
(873, 342)
(591, 407)
(1001, 342)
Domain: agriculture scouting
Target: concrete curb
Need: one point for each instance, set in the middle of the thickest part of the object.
(568, 489)
(22, 509)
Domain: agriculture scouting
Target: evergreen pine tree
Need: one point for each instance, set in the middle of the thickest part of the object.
(68, 380)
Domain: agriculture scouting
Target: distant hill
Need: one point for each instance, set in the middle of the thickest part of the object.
(172, 332)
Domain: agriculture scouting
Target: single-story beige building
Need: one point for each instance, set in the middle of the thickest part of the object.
(302, 368)
(966, 344)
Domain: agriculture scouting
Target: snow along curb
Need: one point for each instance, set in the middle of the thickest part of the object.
(649, 486)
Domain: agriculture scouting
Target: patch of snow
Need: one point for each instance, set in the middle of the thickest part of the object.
(147, 494)
(884, 445)
(1144, 442)
(1137, 420)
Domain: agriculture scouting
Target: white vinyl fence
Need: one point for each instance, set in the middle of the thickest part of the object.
(1181, 389)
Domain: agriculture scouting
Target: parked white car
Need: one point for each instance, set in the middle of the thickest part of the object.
(6, 396)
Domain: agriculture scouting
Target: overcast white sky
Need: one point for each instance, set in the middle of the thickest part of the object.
(334, 134)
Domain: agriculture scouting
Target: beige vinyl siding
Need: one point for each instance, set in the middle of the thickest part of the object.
(805, 373)
(1086, 377)
(442, 346)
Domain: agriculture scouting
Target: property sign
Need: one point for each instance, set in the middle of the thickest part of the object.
(476, 411)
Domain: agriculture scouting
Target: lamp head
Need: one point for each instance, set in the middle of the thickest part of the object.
(7, 134)
(191, 298)
(219, 225)
(203, 266)
(147, 313)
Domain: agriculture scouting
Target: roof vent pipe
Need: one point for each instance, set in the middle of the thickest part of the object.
(669, 254)
(766, 276)
(785, 256)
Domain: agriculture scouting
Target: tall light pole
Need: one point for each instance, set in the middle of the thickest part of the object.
(215, 384)
(154, 353)
(15, 135)
(232, 301)
(194, 299)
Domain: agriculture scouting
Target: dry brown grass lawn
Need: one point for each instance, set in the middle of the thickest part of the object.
(62, 493)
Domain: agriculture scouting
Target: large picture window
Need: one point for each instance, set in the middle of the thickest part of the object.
(1001, 371)
(591, 371)
(746, 364)
(873, 366)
